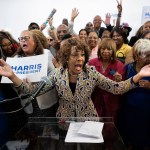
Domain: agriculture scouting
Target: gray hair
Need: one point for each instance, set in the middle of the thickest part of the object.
(141, 47)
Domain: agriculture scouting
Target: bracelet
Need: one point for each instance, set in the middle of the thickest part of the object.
(119, 15)
(132, 82)
(19, 85)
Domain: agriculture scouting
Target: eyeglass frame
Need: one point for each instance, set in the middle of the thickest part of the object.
(33, 28)
(50, 40)
(26, 38)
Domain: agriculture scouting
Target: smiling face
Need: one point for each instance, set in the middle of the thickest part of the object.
(107, 50)
(76, 61)
(106, 53)
(117, 38)
(83, 34)
(7, 47)
(27, 43)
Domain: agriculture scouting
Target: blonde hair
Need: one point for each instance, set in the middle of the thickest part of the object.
(141, 47)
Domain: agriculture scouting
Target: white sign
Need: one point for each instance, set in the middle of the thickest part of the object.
(29, 68)
(145, 14)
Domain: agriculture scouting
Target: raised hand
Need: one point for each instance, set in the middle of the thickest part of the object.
(74, 14)
(43, 26)
(107, 19)
(119, 6)
(50, 21)
(5, 69)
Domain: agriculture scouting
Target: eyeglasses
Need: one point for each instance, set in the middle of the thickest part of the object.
(33, 28)
(26, 38)
(50, 40)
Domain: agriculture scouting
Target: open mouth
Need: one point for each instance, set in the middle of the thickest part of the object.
(78, 67)
(24, 46)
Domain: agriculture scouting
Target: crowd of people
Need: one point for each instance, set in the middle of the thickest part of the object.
(97, 72)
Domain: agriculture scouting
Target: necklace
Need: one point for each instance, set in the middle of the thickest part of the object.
(73, 75)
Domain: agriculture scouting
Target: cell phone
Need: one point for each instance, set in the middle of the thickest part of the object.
(112, 72)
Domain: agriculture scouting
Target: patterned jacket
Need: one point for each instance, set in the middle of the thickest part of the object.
(79, 104)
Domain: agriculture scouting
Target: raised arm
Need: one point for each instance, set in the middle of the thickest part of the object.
(123, 86)
(5, 70)
(119, 7)
(74, 14)
(107, 22)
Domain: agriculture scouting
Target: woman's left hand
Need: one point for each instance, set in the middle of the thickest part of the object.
(145, 71)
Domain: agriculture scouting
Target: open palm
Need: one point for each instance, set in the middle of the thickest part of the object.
(5, 69)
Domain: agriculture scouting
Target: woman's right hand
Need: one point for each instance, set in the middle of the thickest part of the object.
(5, 69)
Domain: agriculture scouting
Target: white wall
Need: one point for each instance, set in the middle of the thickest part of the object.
(16, 15)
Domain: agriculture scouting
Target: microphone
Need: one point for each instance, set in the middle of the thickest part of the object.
(36, 91)
(27, 98)
(42, 83)
(26, 101)
(50, 15)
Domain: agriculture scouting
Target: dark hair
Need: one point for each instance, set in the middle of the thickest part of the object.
(7, 35)
(83, 30)
(121, 31)
(144, 34)
(14, 43)
(31, 24)
(65, 50)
